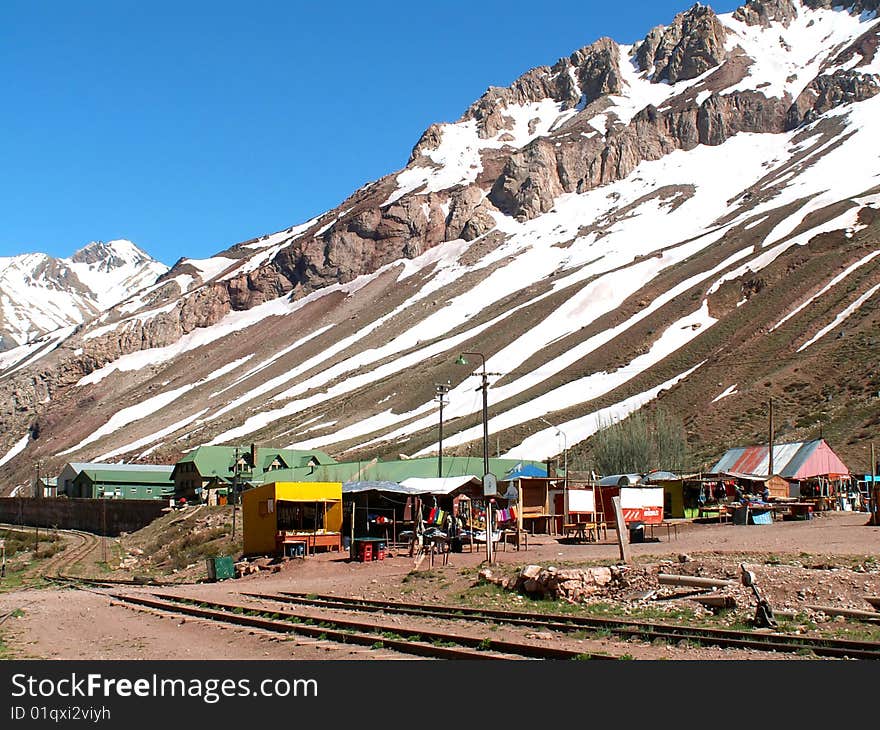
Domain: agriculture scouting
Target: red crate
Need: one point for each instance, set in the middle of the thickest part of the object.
(380, 555)
(365, 551)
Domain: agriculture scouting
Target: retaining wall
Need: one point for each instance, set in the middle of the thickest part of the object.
(100, 516)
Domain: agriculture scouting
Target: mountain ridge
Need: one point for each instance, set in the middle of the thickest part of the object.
(42, 293)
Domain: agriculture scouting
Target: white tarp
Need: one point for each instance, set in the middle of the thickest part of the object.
(438, 485)
(411, 486)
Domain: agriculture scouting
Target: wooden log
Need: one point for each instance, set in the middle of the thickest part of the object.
(847, 612)
(716, 602)
(690, 580)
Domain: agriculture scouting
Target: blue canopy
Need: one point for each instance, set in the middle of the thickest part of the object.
(522, 471)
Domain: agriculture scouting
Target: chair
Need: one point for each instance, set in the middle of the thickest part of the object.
(516, 537)
(599, 519)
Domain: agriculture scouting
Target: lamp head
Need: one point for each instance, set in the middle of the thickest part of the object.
(462, 360)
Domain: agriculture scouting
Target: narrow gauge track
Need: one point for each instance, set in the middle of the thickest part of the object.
(420, 642)
(649, 631)
(67, 558)
(55, 567)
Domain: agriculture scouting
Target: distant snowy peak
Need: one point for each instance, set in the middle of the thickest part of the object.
(114, 270)
(39, 293)
(110, 255)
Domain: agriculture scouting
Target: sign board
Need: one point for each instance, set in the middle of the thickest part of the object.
(490, 485)
(581, 500)
(642, 504)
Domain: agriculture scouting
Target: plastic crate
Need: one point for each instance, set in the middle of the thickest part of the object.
(365, 551)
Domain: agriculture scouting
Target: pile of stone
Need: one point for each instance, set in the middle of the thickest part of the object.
(568, 584)
(256, 565)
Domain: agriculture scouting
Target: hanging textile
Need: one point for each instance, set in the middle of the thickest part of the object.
(408, 510)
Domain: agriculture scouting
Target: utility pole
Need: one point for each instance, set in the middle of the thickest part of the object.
(488, 477)
(234, 490)
(875, 490)
(440, 392)
(104, 530)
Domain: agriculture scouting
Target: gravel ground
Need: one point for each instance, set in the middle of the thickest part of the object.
(832, 560)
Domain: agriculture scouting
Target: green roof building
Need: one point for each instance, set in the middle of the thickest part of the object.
(123, 481)
(400, 469)
(212, 469)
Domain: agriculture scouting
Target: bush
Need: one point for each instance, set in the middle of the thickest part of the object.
(640, 444)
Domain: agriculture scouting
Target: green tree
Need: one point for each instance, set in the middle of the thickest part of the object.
(640, 443)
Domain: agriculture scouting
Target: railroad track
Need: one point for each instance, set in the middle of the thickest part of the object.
(57, 568)
(648, 631)
(416, 641)
(69, 557)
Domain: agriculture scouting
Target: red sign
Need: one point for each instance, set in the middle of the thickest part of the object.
(648, 515)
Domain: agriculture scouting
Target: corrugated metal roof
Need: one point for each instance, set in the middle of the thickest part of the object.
(127, 476)
(620, 480)
(799, 460)
(398, 470)
(79, 466)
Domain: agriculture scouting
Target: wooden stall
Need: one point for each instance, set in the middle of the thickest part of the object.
(305, 515)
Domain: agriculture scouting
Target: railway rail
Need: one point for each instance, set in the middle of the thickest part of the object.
(415, 641)
(627, 628)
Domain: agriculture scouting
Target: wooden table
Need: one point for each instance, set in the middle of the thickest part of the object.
(720, 510)
(582, 531)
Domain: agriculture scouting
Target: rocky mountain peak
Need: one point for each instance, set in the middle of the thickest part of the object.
(689, 47)
(764, 12)
(111, 254)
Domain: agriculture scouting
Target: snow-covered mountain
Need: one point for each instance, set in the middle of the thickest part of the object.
(691, 220)
(41, 294)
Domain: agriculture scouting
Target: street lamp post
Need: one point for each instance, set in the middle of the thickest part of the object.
(442, 389)
(559, 432)
(462, 360)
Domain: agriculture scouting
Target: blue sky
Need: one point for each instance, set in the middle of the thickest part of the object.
(190, 126)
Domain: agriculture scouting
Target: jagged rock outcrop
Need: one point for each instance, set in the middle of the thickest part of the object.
(827, 92)
(764, 12)
(598, 70)
(533, 178)
(692, 45)
(589, 73)
(865, 46)
(529, 183)
(854, 6)
(722, 116)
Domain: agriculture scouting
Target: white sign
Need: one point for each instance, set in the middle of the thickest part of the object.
(581, 500)
(490, 485)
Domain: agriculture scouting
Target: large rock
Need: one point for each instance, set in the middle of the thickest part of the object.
(692, 45)
(827, 92)
(570, 584)
(764, 12)
(588, 74)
